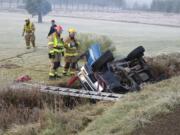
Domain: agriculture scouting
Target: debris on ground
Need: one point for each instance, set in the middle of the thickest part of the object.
(23, 78)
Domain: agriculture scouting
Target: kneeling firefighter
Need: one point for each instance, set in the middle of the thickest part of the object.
(56, 48)
(71, 52)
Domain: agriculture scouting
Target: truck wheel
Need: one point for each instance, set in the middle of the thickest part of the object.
(136, 53)
(102, 61)
(131, 86)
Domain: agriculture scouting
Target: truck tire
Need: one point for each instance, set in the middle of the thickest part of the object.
(102, 61)
(133, 86)
(136, 53)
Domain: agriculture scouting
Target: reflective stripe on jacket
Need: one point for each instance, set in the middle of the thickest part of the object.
(71, 47)
(56, 44)
(29, 28)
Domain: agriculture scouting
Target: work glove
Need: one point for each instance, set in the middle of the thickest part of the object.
(60, 48)
(72, 44)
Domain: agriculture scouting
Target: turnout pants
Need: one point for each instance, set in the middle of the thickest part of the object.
(30, 39)
(55, 63)
(70, 64)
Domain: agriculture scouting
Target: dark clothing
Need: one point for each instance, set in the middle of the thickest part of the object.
(70, 65)
(52, 29)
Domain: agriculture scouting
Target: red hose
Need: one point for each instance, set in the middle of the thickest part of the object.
(72, 81)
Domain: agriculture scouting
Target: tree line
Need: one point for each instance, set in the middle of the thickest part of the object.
(99, 5)
(87, 4)
(166, 6)
(70, 4)
(110, 5)
(11, 3)
(170, 6)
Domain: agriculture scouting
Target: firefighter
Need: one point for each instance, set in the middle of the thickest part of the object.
(56, 47)
(71, 52)
(28, 33)
(52, 29)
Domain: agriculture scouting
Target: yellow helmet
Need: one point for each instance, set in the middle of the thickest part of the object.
(72, 30)
(27, 20)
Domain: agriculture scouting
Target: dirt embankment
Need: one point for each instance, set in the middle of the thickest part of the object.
(163, 124)
(46, 113)
(165, 66)
(28, 106)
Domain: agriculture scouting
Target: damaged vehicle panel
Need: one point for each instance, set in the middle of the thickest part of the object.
(105, 74)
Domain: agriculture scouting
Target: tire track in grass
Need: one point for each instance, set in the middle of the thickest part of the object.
(22, 54)
(16, 56)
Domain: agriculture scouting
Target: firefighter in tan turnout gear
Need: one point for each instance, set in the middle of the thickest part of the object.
(56, 48)
(71, 52)
(28, 33)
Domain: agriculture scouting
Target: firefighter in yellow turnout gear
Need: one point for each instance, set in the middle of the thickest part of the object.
(28, 31)
(56, 48)
(71, 52)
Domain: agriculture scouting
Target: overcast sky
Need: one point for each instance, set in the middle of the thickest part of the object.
(140, 2)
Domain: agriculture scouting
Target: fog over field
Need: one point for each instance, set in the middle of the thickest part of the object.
(130, 3)
(125, 36)
(119, 26)
(126, 29)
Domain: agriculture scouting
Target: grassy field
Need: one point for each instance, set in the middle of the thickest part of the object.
(137, 109)
(124, 36)
(133, 112)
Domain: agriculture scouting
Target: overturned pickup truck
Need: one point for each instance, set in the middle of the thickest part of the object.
(105, 74)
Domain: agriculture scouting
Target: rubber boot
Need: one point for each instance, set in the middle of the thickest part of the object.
(65, 73)
(28, 47)
(73, 71)
(57, 75)
(52, 76)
